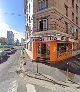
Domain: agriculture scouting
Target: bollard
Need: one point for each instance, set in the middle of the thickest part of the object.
(37, 68)
(67, 73)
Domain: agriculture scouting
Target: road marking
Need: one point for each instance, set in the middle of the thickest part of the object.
(13, 87)
(30, 88)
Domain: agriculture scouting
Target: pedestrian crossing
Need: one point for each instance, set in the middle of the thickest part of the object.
(13, 87)
(36, 88)
(30, 88)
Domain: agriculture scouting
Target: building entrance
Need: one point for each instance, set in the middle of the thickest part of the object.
(44, 51)
(53, 51)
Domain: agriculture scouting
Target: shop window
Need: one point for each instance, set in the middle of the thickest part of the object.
(62, 48)
(42, 24)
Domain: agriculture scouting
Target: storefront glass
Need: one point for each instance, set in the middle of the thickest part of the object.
(62, 48)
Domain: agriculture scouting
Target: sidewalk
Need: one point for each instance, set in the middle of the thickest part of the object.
(48, 72)
(30, 54)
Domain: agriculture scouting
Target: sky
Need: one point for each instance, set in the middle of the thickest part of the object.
(10, 19)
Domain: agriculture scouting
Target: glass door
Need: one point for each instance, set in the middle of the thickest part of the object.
(48, 51)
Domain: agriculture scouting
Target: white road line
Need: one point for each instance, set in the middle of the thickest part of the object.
(30, 88)
(13, 87)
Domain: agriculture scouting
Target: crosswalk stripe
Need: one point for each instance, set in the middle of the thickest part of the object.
(13, 87)
(30, 88)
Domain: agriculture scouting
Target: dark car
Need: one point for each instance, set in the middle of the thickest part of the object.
(3, 55)
(8, 51)
(13, 50)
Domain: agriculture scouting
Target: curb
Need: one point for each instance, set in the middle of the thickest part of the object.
(45, 78)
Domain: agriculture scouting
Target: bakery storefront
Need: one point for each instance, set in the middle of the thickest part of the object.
(51, 48)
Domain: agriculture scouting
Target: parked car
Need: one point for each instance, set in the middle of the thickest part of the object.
(14, 50)
(3, 55)
(8, 51)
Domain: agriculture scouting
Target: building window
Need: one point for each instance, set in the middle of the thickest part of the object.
(27, 36)
(76, 9)
(27, 45)
(73, 3)
(66, 10)
(72, 16)
(29, 19)
(29, 8)
(66, 27)
(43, 4)
(76, 34)
(77, 20)
(72, 31)
(27, 16)
(43, 24)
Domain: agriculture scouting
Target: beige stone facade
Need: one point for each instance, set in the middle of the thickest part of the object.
(61, 14)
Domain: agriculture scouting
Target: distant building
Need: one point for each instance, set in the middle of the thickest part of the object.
(3, 41)
(22, 42)
(10, 38)
(17, 43)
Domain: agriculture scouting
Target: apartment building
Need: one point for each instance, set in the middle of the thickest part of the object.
(28, 10)
(56, 29)
(10, 38)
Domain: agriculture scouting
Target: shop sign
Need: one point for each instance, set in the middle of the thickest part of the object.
(48, 38)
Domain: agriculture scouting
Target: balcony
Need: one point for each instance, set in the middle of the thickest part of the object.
(44, 29)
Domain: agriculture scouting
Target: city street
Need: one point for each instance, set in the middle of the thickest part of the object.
(10, 81)
(39, 45)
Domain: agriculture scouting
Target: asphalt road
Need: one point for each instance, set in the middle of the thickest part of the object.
(10, 81)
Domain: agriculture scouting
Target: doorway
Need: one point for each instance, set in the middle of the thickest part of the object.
(44, 51)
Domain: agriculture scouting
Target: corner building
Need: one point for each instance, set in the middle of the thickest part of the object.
(56, 29)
